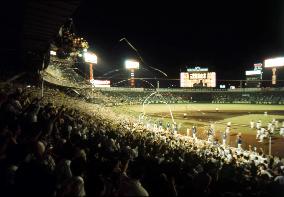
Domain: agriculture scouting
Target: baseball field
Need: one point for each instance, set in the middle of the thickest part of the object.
(202, 115)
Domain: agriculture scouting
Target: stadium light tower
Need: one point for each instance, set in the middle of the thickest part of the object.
(91, 58)
(274, 64)
(131, 65)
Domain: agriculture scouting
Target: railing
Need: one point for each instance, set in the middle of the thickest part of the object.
(123, 89)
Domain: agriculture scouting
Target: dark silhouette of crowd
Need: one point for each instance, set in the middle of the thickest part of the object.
(49, 150)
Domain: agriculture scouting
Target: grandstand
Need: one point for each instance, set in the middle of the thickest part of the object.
(238, 96)
(61, 136)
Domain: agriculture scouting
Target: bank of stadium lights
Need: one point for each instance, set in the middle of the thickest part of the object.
(274, 63)
(131, 65)
(90, 58)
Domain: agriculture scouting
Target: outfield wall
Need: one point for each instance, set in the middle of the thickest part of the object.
(122, 89)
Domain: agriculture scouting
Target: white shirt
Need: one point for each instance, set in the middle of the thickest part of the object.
(258, 125)
(269, 126)
(262, 130)
(251, 124)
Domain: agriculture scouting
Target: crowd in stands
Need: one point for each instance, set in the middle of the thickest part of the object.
(50, 150)
(133, 97)
(249, 98)
(62, 70)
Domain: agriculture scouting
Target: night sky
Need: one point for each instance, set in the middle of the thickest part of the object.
(225, 37)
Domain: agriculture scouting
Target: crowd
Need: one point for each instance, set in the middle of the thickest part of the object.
(249, 98)
(138, 97)
(61, 73)
(50, 150)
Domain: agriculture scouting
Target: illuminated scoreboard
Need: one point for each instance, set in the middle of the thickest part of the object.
(253, 75)
(197, 79)
(253, 78)
(100, 83)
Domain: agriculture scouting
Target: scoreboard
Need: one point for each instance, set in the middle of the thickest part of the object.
(197, 79)
(253, 78)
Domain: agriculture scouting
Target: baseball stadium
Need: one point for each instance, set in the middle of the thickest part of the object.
(77, 120)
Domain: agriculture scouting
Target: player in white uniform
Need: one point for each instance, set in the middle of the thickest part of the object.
(258, 124)
(175, 128)
(272, 129)
(282, 131)
(276, 124)
(252, 124)
(262, 134)
(187, 132)
(228, 134)
(194, 131)
(269, 126)
(227, 129)
(257, 134)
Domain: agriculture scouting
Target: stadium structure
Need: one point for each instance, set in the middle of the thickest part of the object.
(204, 124)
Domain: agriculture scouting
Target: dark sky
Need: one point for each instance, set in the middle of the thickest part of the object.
(226, 37)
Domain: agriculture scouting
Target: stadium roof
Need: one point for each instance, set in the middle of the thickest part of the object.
(42, 20)
(27, 29)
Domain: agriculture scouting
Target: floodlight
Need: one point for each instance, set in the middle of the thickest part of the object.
(90, 58)
(274, 62)
(131, 64)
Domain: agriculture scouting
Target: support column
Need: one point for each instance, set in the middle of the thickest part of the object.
(132, 81)
(91, 72)
(274, 76)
